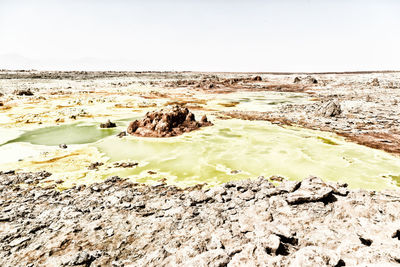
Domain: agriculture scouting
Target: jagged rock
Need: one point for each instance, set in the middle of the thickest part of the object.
(198, 197)
(305, 80)
(166, 123)
(311, 189)
(272, 243)
(11, 177)
(375, 82)
(215, 258)
(315, 256)
(209, 86)
(18, 241)
(329, 109)
(117, 222)
(21, 92)
(122, 134)
(108, 124)
(81, 258)
(125, 164)
(95, 165)
(257, 78)
(311, 80)
(63, 146)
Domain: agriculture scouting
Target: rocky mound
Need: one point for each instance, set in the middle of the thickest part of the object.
(242, 223)
(306, 80)
(167, 123)
(22, 92)
(108, 124)
(374, 82)
(329, 109)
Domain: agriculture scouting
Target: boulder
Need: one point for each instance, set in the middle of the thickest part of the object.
(121, 134)
(305, 80)
(257, 78)
(63, 146)
(108, 124)
(374, 82)
(329, 109)
(311, 189)
(21, 92)
(166, 123)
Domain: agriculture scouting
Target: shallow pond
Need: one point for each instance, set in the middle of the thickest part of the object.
(229, 150)
(78, 133)
(235, 149)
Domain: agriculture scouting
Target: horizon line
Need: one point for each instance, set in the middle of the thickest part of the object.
(194, 71)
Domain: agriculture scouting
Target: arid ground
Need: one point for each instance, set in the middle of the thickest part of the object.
(240, 191)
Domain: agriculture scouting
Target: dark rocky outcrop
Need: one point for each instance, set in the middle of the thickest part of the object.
(95, 165)
(125, 164)
(375, 82)
(108, 124)
(22, 92)
(305, 80)
(166, 123)
(122, 134)
(63, 146)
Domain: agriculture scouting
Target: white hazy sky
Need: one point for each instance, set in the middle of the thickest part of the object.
(203, 35)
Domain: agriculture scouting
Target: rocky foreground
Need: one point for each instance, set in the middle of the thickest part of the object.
(242, 223)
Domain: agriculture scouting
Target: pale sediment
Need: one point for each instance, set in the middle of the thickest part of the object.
(241, 223)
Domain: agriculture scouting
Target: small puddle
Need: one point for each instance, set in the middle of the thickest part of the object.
(78, 133)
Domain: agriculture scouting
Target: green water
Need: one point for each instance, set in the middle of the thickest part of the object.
(229, 150)
(65, 134)
(252, 148)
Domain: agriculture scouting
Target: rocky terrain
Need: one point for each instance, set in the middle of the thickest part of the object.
(242, 223)
(259, 222)
(365, 110)
(166, 123)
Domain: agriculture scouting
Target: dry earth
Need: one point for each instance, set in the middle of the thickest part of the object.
(242, 223)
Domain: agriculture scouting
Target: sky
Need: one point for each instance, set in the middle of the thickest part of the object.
(200, 35)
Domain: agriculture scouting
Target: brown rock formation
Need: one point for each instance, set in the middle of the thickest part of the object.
(167, 123)
(375, 82)
(108, 124)
(306, 80)
(21, 92)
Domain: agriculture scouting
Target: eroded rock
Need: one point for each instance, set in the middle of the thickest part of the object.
(375, 82)
(329, 109)
(166, 123)
(21, 92)
(305, 80)
(108, 124)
